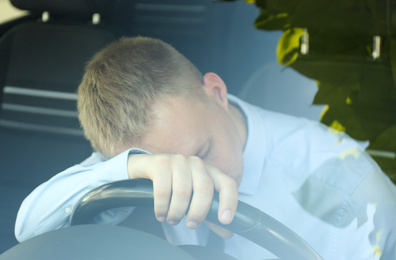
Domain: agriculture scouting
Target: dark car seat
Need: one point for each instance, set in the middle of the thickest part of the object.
(41, 64)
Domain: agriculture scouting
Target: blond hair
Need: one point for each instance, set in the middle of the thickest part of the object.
(123, 82)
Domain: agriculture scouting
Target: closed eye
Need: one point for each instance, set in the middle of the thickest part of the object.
(205, 150)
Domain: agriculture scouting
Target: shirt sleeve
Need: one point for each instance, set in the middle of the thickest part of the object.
(50, 205)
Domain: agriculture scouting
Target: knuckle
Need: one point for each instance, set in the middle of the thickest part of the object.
(179, 157)
(206, 190)
(230, 182)
(196, 160)
(161, 160)
(162, 192)
(182, 192)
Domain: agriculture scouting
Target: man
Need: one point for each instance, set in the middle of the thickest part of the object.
(140, 92)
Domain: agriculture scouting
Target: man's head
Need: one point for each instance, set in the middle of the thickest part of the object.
(123, 82)
(140, 92)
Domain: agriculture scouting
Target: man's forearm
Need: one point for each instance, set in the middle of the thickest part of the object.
(50, 205)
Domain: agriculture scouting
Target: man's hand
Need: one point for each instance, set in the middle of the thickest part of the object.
(177, 178)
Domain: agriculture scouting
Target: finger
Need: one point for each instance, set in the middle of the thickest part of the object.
(181, 189)
(203, 194)
(162, 189)
(228, 194)
(155, 168)
(224, 233)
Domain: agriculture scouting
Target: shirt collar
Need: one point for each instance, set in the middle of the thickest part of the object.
(255, 147)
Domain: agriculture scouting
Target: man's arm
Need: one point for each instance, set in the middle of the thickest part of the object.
(50, 205)
(176, 179)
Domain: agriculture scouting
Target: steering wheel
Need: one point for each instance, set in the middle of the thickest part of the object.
(248, 222)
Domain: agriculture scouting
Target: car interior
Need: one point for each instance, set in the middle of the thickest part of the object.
(42, 59)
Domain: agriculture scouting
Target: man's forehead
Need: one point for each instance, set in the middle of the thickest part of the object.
(176, 128)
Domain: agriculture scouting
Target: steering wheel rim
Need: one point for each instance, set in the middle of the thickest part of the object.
(248, 222)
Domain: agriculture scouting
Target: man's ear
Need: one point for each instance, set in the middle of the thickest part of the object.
(215, 87)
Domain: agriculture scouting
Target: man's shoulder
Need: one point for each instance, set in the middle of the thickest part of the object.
(93, 159)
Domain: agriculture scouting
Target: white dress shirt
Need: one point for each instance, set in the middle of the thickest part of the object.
(318, 182)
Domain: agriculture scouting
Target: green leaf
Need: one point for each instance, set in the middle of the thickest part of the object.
(386, 141)
(375, 117)
(289, 46)
(332, 71)
(345, 115)
(270, 22)
(332, 94)
(359, 91)
(376, 83)
(383, 150)
(393, 56)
